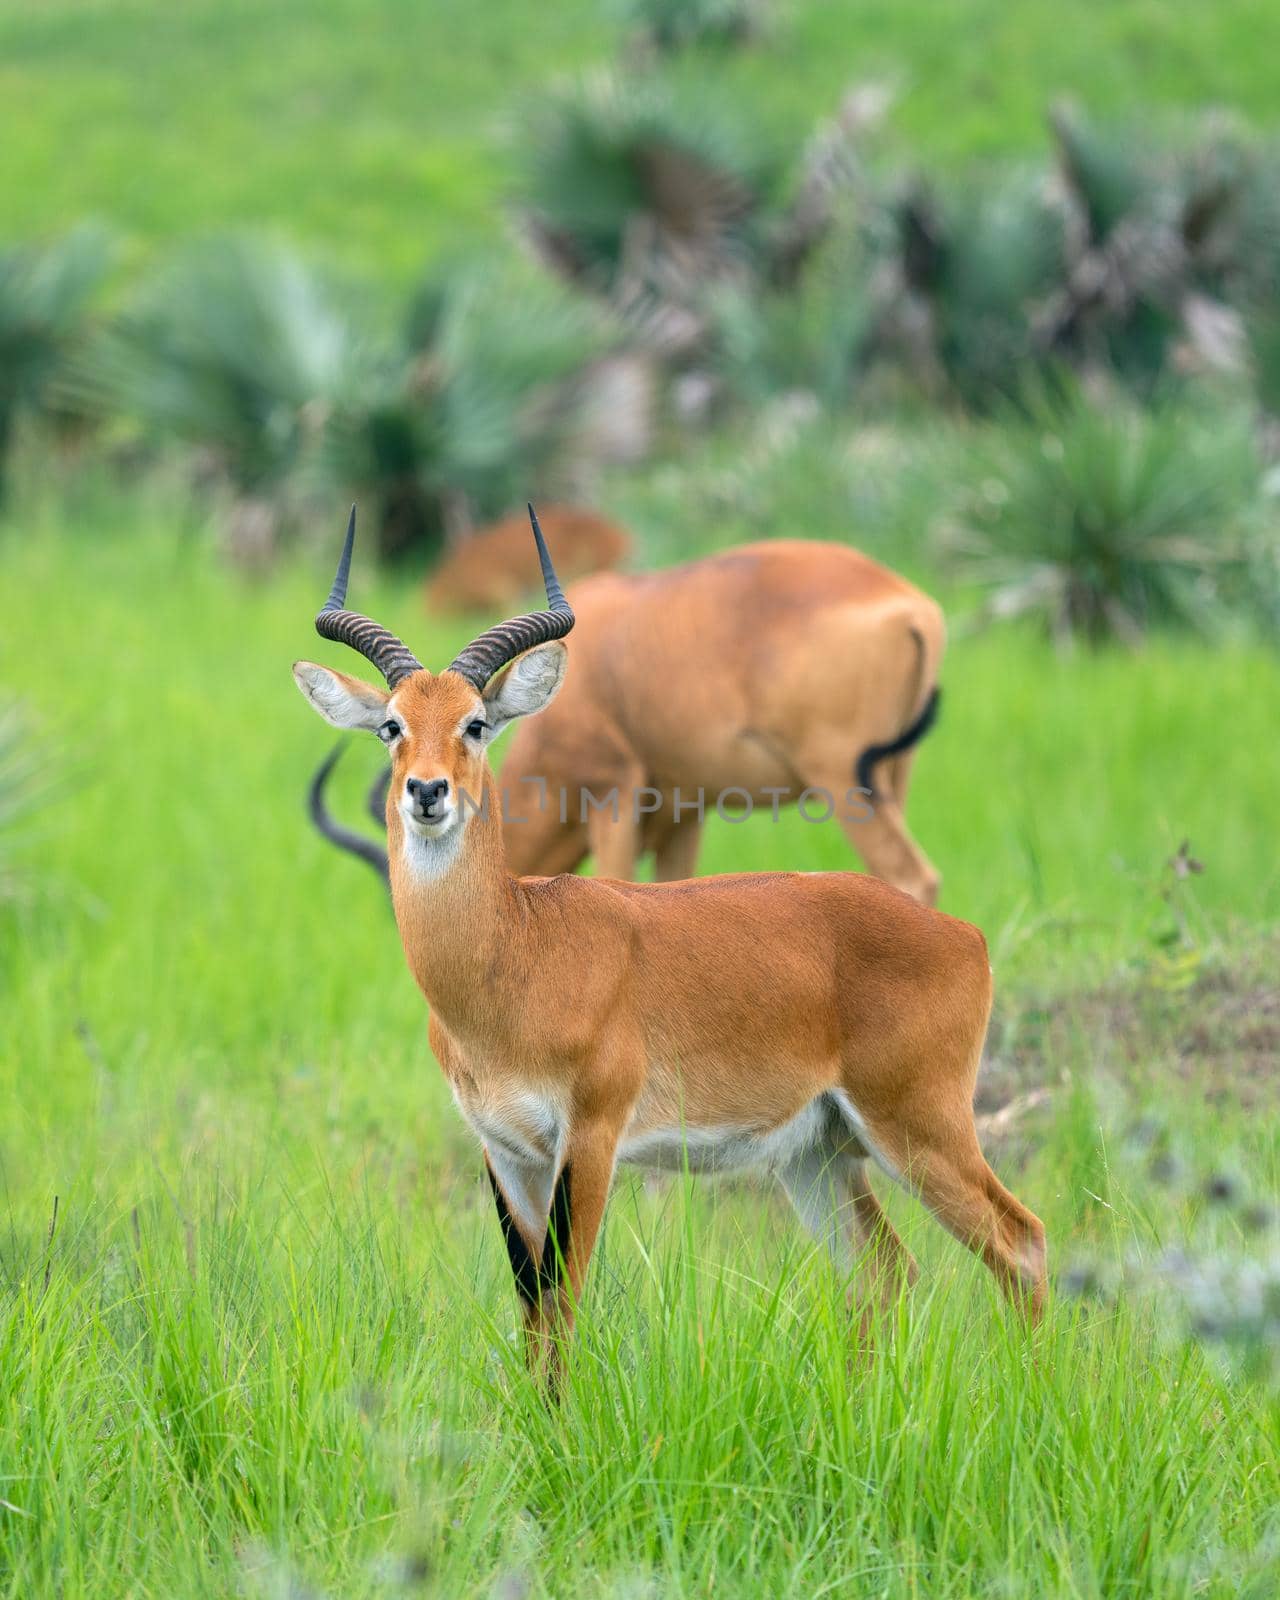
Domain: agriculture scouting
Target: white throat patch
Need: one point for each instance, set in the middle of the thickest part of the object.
(430, 858)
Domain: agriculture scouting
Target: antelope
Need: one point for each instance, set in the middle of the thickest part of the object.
(495, 567)
(803, 1024)
(803, 666)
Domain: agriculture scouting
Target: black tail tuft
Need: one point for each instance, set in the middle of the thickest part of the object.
(875, 753)
(345, 839)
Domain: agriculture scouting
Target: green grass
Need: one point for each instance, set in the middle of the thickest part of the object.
(1055, 789)
(369, 131)
(375, 133)
(292, 1383)
(268, 1348)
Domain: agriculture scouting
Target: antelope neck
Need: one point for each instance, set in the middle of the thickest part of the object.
(459, 913)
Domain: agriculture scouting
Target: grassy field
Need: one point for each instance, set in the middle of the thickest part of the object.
(265, 1345)
(376, 133)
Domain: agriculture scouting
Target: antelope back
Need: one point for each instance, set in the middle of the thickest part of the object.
(672, 669)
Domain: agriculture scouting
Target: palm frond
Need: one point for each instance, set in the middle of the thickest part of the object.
(963, 280)
(1105, 520)
(45, 294)
(238, 347)
(1005, 248)
(832, 182)
(1108, 170)
(1164, 221)
(808, 337)
(468, 416)
(640, 194)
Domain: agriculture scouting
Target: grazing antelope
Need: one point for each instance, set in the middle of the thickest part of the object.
(802, 666)
(495, 567)
(800, 1023)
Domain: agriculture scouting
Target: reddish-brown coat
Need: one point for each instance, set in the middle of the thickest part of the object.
(731, 1001)
(769, 665)
(825, 1017)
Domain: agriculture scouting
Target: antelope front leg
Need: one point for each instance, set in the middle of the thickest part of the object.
(523, 1193)
(577, 1208)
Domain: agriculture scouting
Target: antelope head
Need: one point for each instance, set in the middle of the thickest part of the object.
(437, 726)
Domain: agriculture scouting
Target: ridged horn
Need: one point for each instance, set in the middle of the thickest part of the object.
(393, 659)
(498, 645)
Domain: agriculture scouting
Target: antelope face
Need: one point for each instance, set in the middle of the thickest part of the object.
(437, 726)
(437, 729)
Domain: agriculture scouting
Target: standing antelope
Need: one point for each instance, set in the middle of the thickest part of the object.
(799, 1023)
(802, 665)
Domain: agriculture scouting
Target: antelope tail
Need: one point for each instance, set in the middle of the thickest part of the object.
(345, 838)
(912, 734)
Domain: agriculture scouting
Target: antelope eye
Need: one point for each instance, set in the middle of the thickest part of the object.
(389, 731)
(476, 729)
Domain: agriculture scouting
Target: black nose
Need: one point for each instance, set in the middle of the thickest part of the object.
(426, 794)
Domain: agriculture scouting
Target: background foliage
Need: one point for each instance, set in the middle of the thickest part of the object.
(378, 132)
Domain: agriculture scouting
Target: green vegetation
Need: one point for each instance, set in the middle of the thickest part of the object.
(268, 1344)
(288, 387)
(690, 272)
(622, 177)
(44, 295)
(19, 774)
(227, 350)
(1104, 522)
(256, 1328)
(301, 1382)
(692, 266)
(669, 25)
(377, 133)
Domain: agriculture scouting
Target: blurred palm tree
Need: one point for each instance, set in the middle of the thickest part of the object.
(236, 346)
(289, 387)
(473, 409)
(45, 294)
(646, 198)
(1103, 520)
(957, 283)
(1165, 234)
(700, 237)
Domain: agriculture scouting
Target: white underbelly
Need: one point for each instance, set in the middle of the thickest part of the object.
(728, 1149)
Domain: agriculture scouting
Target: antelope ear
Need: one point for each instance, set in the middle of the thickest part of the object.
(527, 686)
(343, 701)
